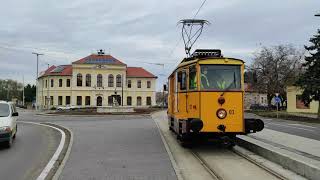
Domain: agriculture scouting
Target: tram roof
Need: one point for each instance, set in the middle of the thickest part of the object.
(192, 60)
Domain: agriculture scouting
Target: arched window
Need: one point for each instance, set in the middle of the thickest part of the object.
(139, 103)
(79, 79)
(110, 80)
(88, 80)
(99, 80)
(118, 80)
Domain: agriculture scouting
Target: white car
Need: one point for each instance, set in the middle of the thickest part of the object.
(65, 108)
(8, 122)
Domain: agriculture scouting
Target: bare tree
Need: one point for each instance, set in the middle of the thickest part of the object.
(276, 67)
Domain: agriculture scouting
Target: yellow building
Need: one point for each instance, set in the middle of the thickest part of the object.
(295, 104)
(96, 80)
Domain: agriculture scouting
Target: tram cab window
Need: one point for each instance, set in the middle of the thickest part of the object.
(192, 77)
(220, 77)
(182, 80)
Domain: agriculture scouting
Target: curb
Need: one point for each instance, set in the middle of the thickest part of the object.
(173, 161)
(304, 167)
(65, 158)
(51, 165)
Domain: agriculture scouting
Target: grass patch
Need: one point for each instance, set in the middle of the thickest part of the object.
(285, 115)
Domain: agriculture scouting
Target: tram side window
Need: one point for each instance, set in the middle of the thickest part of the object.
(192, 78)
(182, 80)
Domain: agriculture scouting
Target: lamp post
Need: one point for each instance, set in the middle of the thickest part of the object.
(37, 54)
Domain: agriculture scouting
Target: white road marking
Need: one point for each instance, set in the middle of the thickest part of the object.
(302, 125)
(292, 127)
(55, 156)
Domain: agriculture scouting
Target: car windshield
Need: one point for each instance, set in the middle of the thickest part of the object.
(220, 77)
(4, 110)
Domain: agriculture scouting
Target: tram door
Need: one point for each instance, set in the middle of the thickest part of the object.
(182, 93)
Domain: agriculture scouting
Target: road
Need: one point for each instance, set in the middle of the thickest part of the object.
(113, 147)
(31, 151)
(307, 130)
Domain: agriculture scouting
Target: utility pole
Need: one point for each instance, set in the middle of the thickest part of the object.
(48, 85)
(23, 90)
(37, 54)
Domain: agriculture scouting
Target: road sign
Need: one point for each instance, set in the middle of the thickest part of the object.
(277, 99)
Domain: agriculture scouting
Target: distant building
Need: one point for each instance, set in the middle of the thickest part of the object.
(252, 97)
(96, 80)
(295, 104)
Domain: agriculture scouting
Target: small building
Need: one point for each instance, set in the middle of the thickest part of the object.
(252, 97)
(295, 104)
(96, 80)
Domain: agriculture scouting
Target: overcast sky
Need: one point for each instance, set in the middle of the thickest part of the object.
(143, 30)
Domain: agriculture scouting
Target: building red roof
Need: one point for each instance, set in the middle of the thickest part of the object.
(99, 59)
(139, 72)
(62, 70)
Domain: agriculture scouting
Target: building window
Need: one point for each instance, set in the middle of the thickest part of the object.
(67, 100)
(148, 101)
(88, 80)
(79, 100)
(99, 80)
(110, 100)
(118, 80)
(148, 84)
(129, 83)
(139, 103)
(68, 82)
(51, 100)
(129, 101)
(79, 79)
(87, 100)
(59, 100)
(52, 82)
(110, 80)
(139, 84)
(60, 82)
(99, 101)
(46, 83)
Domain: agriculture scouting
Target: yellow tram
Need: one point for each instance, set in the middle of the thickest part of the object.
(206, 97)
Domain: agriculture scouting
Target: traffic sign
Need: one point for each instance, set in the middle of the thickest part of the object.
(277, 99)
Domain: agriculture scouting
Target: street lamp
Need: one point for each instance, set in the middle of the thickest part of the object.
(37, 54)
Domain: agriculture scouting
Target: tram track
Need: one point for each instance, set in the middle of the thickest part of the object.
(219, 161)
(208, 161)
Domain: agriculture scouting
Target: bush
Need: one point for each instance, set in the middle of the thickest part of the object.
(53, 108)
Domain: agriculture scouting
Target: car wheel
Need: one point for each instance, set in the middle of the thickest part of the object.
(14, 136)
(8, 144)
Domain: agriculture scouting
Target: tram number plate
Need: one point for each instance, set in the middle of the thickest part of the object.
(231, 111)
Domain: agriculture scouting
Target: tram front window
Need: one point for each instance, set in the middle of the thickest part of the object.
(220, 77)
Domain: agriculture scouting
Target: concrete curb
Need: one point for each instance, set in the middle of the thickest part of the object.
(301, 165)
(55, 157)
(173, 161)
(65, 158)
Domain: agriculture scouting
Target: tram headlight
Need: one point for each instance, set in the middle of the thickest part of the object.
(221, 113)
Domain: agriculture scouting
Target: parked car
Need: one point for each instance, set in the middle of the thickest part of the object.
(8, 123)
(258, 107)
(66, 108)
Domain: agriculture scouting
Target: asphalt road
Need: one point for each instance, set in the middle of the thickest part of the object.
(113, 147)
(307, 130)
(32, 149)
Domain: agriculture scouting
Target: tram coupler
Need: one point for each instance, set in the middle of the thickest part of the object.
(253, 125)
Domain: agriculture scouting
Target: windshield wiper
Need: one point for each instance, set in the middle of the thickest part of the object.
(229, 87)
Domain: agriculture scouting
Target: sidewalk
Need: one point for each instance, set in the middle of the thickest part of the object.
(297, 144)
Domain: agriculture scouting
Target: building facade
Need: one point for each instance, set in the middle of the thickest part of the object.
(252, 97)
(96, 80)
(295, 104)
